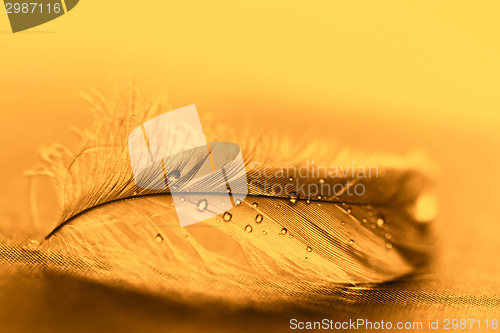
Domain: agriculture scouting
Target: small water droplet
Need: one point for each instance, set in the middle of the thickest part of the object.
(290, 179)
(368, 207)
(227, 216)
(293, 198)
(365, 220)
(173, 175)
(283, 231)
(308, 201)
(172, 204)
(348, 234)
(349, 210)
(228, 190)
(217, 220)
(279, 206)
(321, 181)
(259, 218)
(319, 204)
(370, 213)
(388, 245)
(264, 232)
(202, 204)
(380, 222)
(319, 197)
(182, 199)
(351, 242)
(159, 238)
(373, 225)
(255, 205)
(343, 223)
(309, 249)
(237, 202)
(388, 236)
(290, 235)
(135, 193)
(248, 228)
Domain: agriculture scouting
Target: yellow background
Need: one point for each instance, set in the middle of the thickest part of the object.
(428, 61)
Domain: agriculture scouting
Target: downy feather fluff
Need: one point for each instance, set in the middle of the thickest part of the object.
(270, 248)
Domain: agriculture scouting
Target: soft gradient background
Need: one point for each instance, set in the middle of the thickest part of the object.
(387, 76)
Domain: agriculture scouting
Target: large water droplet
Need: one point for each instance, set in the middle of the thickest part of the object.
(255, 205)
(294, 197)
(283, 231)
(309, 249)
(248, 228)
(351, 242)
(259, 218)
(227, 216)
(202, 204)
(173, 175)
(380, 222)
(159, 238)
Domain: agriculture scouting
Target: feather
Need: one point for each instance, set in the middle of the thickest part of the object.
(272, 247)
